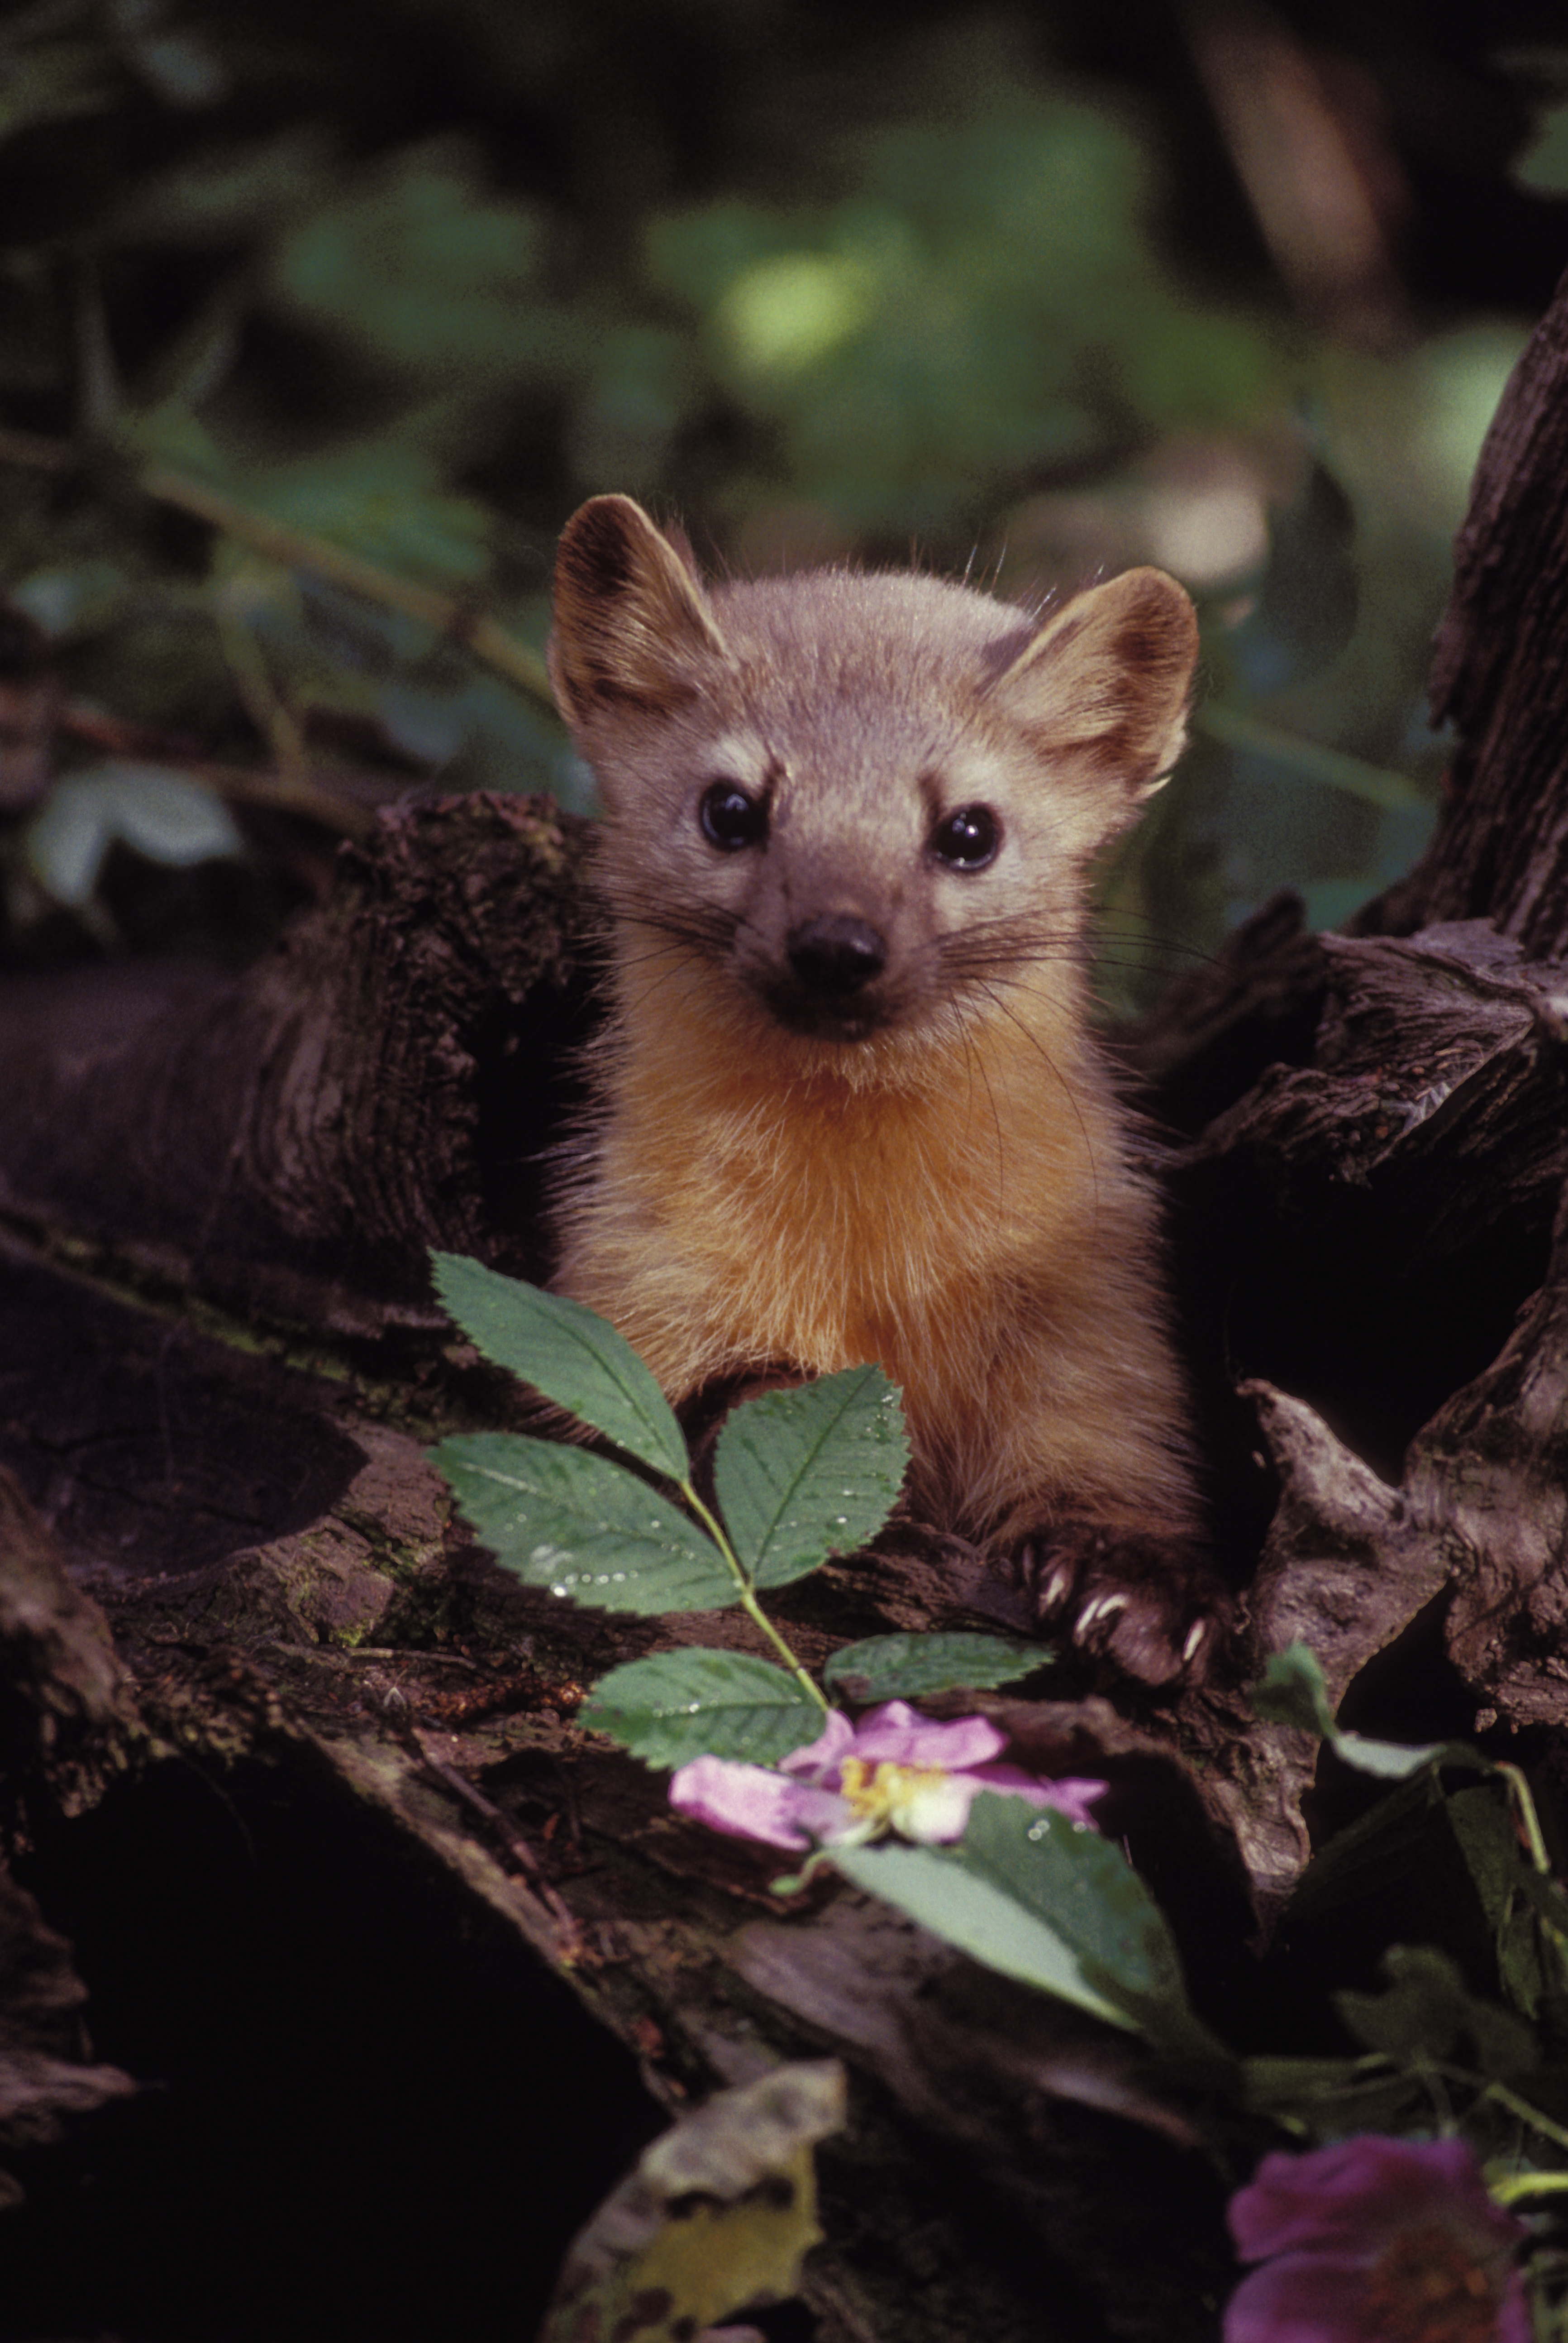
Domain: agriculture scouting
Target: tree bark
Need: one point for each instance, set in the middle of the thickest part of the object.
(1500, 677)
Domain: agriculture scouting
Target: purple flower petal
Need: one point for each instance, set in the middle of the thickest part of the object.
(1374, 2235)
(753, 1801)
(1364, 2187)
(896, 1734)
(823, 1755)
(1301, 2298)
(1071, 1795)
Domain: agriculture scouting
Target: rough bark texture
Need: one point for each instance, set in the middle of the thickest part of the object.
(1500, 677)
(1372, 1241)
(290, 1141)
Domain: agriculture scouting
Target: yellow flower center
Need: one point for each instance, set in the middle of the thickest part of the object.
(878, 1793)
(1429, 2288)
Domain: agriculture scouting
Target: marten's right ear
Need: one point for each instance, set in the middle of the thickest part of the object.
(632, 625)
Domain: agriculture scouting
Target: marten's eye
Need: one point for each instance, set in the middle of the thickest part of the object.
(730, 818)
(967, 839)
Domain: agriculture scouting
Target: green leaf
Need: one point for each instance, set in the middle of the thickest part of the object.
(810, 1472)
(158, 811)
(1394, 1761)
(1528, 1956)
(1427, 2015)
(561, 1518)
(1083, 1885)
(938, 1889)
(693, 1704)
(1292, 1691)
(902, 1668)
(570, 1354)
(1329, 2096)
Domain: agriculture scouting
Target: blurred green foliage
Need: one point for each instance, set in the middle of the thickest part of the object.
(398, 287)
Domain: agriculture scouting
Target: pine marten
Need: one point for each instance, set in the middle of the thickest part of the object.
(848, 1104)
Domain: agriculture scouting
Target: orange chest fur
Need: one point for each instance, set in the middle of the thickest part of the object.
(826, 1223)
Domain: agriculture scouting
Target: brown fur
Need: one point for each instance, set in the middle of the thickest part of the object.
(928, 1168)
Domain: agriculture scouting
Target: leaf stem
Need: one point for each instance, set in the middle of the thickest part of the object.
(1508, 2190)
(1535, 1842)
(1379, 785)
(297, 549)
(748, 1602)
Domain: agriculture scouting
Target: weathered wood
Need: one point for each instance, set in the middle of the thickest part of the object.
(290, 1141)
(1500, 677)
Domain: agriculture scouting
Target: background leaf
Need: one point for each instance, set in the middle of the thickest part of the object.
(570, 1353)
(899, 1667)
(936, 1888)
(811, 1472)
(677, 1705)
(561, 1518)
(161, 813)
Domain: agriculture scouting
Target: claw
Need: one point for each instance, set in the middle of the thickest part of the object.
(1056, 1588)
(1096, 1613)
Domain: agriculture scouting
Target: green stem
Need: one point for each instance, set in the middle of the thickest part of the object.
(1529, 2184)
(748, 1602)
(1377, 784)
(1535, 1842)
(298, 548)
(1529, 1820)
(1500, 2095)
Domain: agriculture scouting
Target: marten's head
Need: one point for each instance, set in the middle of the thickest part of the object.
(869, 799)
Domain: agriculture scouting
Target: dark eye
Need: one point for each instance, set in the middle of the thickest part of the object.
(967, 839)
(730, 818)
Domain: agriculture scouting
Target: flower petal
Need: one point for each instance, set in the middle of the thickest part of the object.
(1071, 1795)
(896, 1734)
(932, 1808)
(1302, 2299)
(824, 1755)
(753, 1801)
(1361, 2191)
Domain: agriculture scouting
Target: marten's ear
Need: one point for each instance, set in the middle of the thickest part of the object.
(1110, 676)
(631, 621)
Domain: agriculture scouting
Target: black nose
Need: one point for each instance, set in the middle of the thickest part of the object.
(836, 955)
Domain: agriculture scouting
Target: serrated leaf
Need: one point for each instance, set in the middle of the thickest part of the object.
(900, 1667)
(811, 1472)
(1427, 2013)
(562, 1518)
(938, 1890)
(1094, 1900)
(678, 1705)
(570, 1353)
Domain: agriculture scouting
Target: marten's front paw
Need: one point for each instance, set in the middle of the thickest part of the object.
(1154, 1607)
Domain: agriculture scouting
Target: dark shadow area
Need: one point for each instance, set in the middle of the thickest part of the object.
(368, 2112)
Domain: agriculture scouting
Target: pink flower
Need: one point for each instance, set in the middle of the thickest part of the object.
(1375, 2241)
(894, 1770)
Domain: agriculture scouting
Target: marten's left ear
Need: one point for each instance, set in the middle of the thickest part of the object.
(1109, 678)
